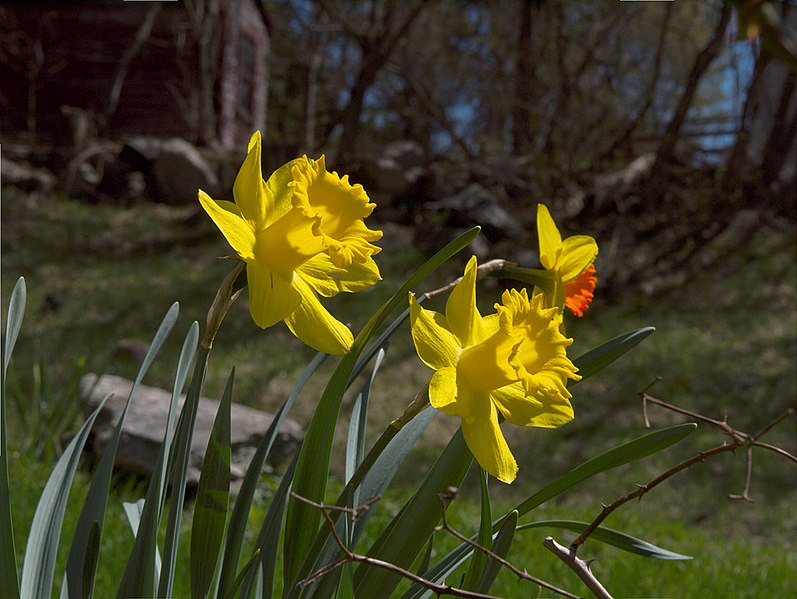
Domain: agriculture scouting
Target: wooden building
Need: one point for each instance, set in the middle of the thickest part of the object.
(195, 69)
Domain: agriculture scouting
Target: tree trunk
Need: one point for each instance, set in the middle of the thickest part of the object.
(666, 150)
(524, 70)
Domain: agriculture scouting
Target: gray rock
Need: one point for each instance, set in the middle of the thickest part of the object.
(26, 177)
(476, 205)
(179, 170)
(396, 169)
(145, 426)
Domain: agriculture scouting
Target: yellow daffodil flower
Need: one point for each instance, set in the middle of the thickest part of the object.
(301, 234)
(570, 260)
(512, 362)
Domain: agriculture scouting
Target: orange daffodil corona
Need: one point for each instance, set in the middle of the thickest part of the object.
(301, 234)
(571, 260)
(512, 362)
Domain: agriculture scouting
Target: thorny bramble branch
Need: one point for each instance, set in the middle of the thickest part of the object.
(446, 498)
(737, 439)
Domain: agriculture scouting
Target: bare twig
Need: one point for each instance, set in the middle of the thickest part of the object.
(481, 272)
(522, 574)
(737, 439)
(643, 489)
(351, 556)
(747, 479)
(577, 565)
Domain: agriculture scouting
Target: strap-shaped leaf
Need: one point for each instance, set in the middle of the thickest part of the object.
(478, 563)
(45, 530)
(243, 503)
(409, 532)
(9, 580)
(374, 482)
(16, 312)
(139, 570)
(95, 503)
(312, 469)
(598, 358)
(610, 537)
(268, 540)
(501, 546)
(133, 510)
(212, 500)
(628, 452)
(637, 449)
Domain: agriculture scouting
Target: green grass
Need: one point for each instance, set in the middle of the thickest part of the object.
(100, 277)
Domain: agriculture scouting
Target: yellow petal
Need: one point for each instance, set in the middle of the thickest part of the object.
(462, 313)
(549, 237)
(487, 443)
(328, 279)
(443, 391)
(578, 253)
(239, 232)
(436, 345)
(272, 298)
(249, 189)
(540, 411)
(315, 326)
(278, 188)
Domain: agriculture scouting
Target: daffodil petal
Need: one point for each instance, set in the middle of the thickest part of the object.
(229, 207)
(249, 189)
(540, 411)
(328, 279)
(462, 313)
(278, 188)
(549, 237)
(436, 345)
(443, 391)
(272, 298)
(578, 253)
(315, 326)
(239, 232)
(487, 443)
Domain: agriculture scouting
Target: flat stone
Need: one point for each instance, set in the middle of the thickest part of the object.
(145, 427)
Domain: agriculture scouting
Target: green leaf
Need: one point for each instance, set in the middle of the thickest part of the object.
(178, 468)
(478, 562)
(243, 503)
(95, 502)
(610, 537)
(212, 500)
(312, 468)
(16, 311)
(45, 530)
(268, 538)
(501, 547)
(140, 566)
(245, 571)
(598, 358)
(134, 511)
(628, 452)
(9, 580)
(374, 482)
(410, 530)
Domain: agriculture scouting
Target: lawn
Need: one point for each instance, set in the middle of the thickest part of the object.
(100, 279)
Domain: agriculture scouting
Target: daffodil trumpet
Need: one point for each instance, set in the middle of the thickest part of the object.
(512, 363)
(302, 235)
